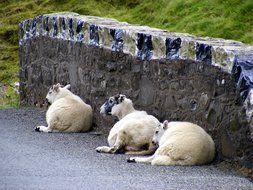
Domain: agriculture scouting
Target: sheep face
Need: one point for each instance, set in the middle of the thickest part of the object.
(55, 92)
(108, 108)
(159, 132)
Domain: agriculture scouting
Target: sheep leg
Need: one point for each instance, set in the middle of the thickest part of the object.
(147, 159)
(151, 150)
(141, 152)
(165, 160)
(107, 149)
(43, 129)
(112, 150)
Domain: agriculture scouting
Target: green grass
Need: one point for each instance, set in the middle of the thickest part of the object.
(229, 19)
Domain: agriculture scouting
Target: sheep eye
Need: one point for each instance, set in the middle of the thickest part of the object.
(156, 132)
(50, 92)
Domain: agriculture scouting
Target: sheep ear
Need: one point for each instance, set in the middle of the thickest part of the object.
(165, 124)
(122, 98)
(67, 86)
(117, 98)
(56, 87)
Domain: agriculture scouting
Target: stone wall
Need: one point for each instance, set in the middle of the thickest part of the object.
(172, 76)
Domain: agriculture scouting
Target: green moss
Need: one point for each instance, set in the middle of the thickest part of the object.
(230, 19)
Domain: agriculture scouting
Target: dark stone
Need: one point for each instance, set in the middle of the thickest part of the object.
(33, 27)
(243, 74)
(212, 116)
(79, 26)
(227, 148)
(112, 82)
(63, 27)
(235, 124)
(136, 67)
(63, 24)
(80, 34)
(27, 28)
(193, 105)
(172, 48)
(111, 66)
(117, 35)
(46, 24)
(146, 66)
(145, 47)
(147, 93)
(94, 37)
(204, 53)
(55, 27)
(170, 101)
(174, 86)
(135, 79)
(71, 30)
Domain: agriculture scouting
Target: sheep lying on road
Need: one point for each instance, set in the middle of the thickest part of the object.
(180, 143)
(133, 132)
(68, 112)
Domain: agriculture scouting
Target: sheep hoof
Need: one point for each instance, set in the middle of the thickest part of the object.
(37, 129)
(99, 149)
(131, 160)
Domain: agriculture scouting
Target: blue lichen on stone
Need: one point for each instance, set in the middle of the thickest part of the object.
(62, 27)
(144, 46)
(55, 27)
(204, 53)
(46, 24)
(71, 31)
(33, 27)
(27, 28)
(172, 48)
(243, 74)
(39, 28)
(94, 37)
(63, 24)
(117, 35)
(79, 31)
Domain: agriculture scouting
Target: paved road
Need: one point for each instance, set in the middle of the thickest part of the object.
(32, 160)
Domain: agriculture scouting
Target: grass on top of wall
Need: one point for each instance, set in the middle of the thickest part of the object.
(229, 19)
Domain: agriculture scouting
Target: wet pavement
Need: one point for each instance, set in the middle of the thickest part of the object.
(33, 160)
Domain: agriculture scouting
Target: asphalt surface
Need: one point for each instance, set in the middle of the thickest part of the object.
(33, 160)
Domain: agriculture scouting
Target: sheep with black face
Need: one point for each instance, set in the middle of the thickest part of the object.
(133, 133)
(67, 113)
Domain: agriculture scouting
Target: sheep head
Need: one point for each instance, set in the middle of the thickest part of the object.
(108, 108)
(159, 132)
(57, 91)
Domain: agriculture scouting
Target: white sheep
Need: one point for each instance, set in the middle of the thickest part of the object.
(67, 113)
(133, 133)
(180, 143)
